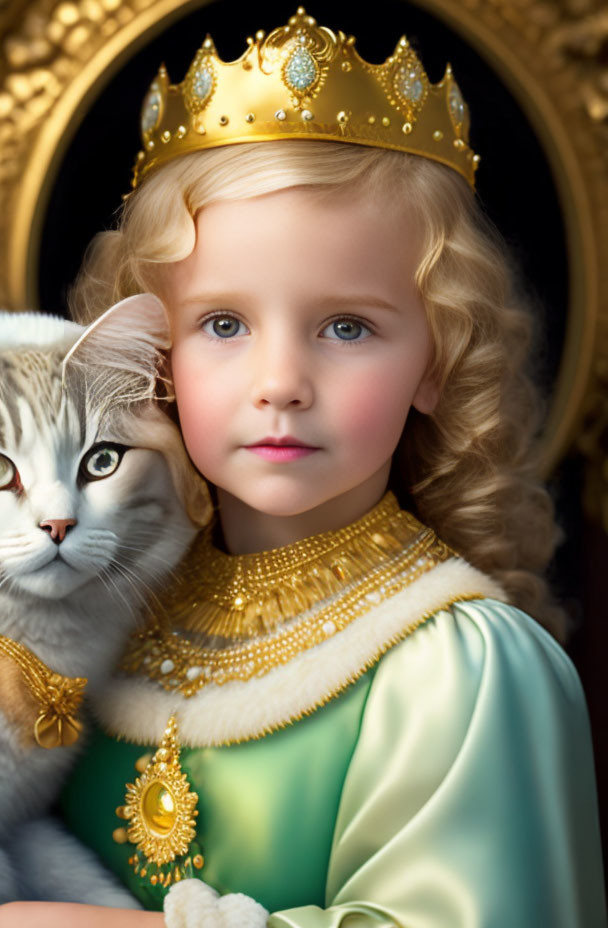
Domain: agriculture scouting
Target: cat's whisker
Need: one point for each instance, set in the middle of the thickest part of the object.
(135, 580)
(98, 535)
(141, 549)
(141, 596)
(167, 574)
(150, 555)
(107, 580)
(101, 554)
(93, 554)
(6, 544)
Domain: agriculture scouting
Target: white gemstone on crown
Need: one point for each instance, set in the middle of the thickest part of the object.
(202, 83)
(409, 84)
(456, 104)
(150, 110)
(301, 70)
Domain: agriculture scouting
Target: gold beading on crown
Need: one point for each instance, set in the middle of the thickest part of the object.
(303, 81)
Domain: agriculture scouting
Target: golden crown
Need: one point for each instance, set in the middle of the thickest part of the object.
(303, 81)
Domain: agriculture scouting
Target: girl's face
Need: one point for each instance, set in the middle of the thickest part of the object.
(299, 346)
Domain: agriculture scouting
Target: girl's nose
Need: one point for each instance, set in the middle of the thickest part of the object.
(281, 378)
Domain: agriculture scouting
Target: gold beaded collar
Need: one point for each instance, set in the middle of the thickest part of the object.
(230, 617)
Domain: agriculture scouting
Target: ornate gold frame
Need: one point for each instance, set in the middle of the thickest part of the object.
(56, 53)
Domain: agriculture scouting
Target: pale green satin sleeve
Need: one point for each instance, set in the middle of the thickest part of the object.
(469, 801)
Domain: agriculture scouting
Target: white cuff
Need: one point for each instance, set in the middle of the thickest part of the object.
(194, 904)
(191, 904)
(239, 911)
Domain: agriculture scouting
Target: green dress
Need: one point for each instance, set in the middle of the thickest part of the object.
(414, 752)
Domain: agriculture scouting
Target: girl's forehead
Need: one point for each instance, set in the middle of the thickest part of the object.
(288, 242)
(308, 212)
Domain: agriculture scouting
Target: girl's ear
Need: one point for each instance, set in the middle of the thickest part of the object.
(127, 338)
(426, 396)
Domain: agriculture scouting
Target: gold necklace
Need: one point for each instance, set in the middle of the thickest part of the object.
(233, 617)
(59, 697)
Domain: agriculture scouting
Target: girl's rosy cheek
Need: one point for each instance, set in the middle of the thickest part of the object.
(203, 416)
(373, 410)
(200, 433)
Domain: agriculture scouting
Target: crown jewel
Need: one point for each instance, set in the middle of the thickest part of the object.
(303, 81)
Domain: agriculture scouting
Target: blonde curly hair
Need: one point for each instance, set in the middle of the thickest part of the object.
(469, 470)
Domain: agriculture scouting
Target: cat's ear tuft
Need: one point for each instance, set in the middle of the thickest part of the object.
(127, 338)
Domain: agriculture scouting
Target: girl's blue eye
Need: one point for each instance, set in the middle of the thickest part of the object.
(224, 327)
(347, 330)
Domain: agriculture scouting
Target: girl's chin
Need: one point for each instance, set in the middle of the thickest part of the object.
(283, 502)
(290, 507)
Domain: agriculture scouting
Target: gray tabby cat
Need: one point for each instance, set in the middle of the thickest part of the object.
(95, 490)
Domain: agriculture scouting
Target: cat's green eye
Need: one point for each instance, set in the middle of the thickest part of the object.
(101, 461)
(8, 472)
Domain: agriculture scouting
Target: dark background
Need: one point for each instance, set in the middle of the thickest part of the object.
(514, 185)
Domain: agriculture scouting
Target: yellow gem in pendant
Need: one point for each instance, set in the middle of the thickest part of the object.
(160, 805)
(158, 808)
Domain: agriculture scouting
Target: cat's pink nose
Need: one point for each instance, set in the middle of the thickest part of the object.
(57, 528)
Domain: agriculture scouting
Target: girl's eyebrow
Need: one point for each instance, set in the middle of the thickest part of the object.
(207, 298)
(359, 299)
(336, 300)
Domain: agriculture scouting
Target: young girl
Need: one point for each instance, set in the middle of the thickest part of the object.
(338, 714)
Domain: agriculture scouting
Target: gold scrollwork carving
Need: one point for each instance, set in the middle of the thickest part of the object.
(583, 41)
(43, 51)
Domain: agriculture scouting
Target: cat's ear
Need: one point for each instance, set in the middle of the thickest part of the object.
(128, 337)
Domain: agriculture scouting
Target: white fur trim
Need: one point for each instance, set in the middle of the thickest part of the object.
(36, 330)
(191, 904)
(239, 911)
(137, 709)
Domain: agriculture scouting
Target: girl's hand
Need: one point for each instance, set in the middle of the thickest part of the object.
(71, 915)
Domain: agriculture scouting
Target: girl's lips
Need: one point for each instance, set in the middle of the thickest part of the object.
(281, 452)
